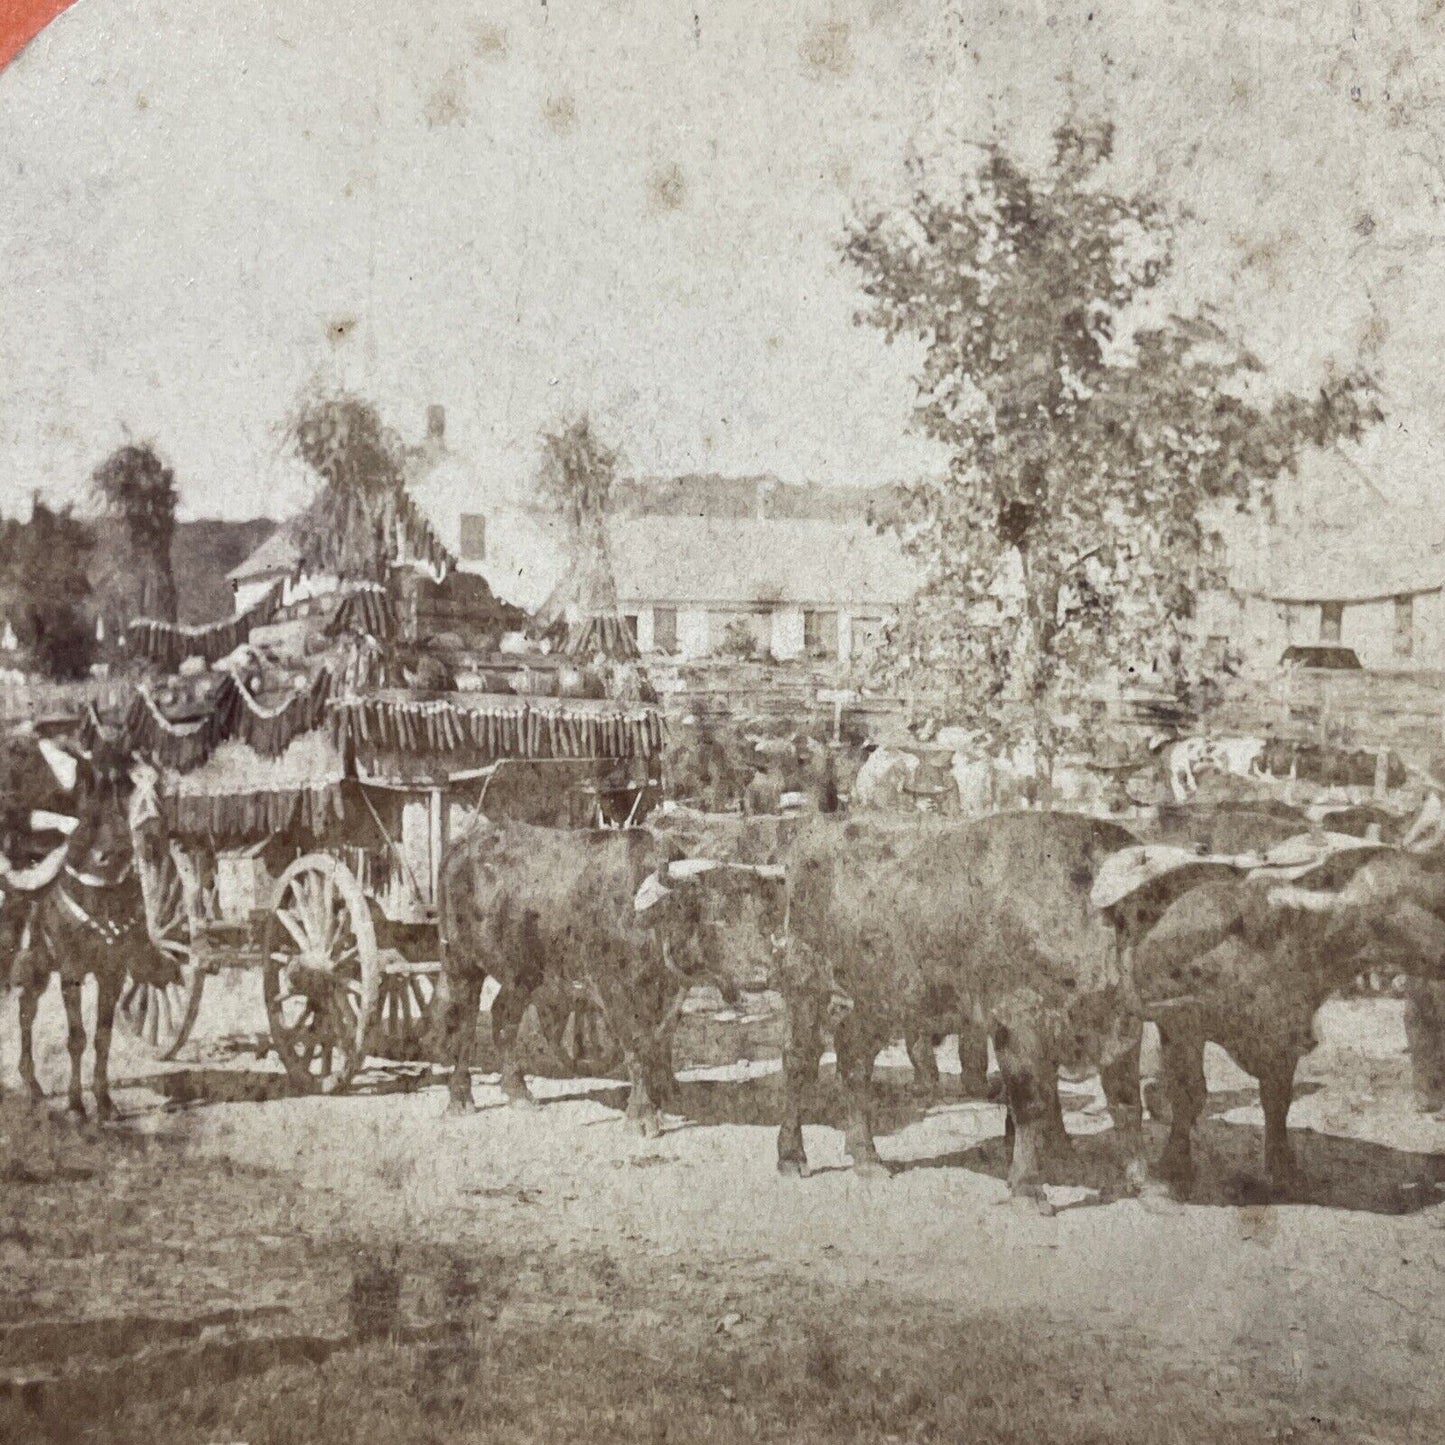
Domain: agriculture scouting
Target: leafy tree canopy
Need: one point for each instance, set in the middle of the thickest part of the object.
(44, 589)
(1088, 440)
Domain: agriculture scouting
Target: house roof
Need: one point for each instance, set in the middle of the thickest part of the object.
(278, 553)
(689, 560)
(699, 560)
(1343, 568)
(1339, 537)
(1335, 535)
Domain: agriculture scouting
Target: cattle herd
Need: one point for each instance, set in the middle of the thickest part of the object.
(1057, 934)
(1053, 935)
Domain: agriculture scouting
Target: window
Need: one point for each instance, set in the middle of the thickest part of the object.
(820, 634)
(664, 629)
(738, 633)
(630, 621)
(1405, 626)
(474, 537)
(1332, 617)
(866, 633)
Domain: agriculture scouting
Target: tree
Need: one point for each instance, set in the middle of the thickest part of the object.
(1071, 534)
(576, 478)
(44, 589)
(135, 488)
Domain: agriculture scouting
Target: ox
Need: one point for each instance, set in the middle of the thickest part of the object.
(988, 919)
(1185, 758)
(616, 915)
(1242, 951)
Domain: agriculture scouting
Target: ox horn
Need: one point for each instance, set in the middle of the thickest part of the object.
(1305, 900)
(684, 870)
(42, 820)
(1426, 830)
(652, 892)
(1362, 889)
(770, 872)
(60, 762)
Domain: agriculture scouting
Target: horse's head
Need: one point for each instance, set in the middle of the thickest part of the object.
(101, 847)
(102, 880)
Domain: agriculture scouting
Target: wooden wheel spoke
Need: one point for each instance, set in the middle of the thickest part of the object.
(161, 1018)
(335, 918)
(296, 928)
(321, 915)
(171, 912)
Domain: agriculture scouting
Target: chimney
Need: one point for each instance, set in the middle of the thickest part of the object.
(764, 496)
(436, 424)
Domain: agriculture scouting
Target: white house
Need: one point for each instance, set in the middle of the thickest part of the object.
(690, 586)
(694, 587)
(797, 588)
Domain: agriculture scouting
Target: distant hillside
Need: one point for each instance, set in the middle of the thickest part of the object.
(201, 555)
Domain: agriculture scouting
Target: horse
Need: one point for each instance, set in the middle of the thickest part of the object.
(81, 911)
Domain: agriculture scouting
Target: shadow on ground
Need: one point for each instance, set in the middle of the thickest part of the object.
(1347, 1174)
(1337, 1173)
(185, 1087)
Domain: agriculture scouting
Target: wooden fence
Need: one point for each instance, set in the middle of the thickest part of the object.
(1401, 711)
(30, 699)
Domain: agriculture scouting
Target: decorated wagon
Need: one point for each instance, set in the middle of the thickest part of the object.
(302, 835)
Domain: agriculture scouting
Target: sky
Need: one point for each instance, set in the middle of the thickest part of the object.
(633, 207)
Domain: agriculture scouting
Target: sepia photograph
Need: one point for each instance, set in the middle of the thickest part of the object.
(722, 722)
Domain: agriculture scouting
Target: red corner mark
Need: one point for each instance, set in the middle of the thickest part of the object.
(22, 20)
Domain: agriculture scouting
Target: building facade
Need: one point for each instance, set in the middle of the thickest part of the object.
(696, 587)
(689, 586)
(1339, 564)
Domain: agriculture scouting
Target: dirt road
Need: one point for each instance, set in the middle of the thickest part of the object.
(1336, 1296)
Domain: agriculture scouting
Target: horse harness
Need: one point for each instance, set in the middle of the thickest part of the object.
(107, 931)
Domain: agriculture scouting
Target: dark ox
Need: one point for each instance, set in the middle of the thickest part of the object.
(764, 840)
(78, 909)
(1252, 825)
(616, 915)
(1245, 959)
(988, 919)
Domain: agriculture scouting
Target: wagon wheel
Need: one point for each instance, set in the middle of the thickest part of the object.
(162, 1018)
(404, 1014)
(322, 973)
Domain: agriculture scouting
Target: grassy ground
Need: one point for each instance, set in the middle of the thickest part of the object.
(207, 1303)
